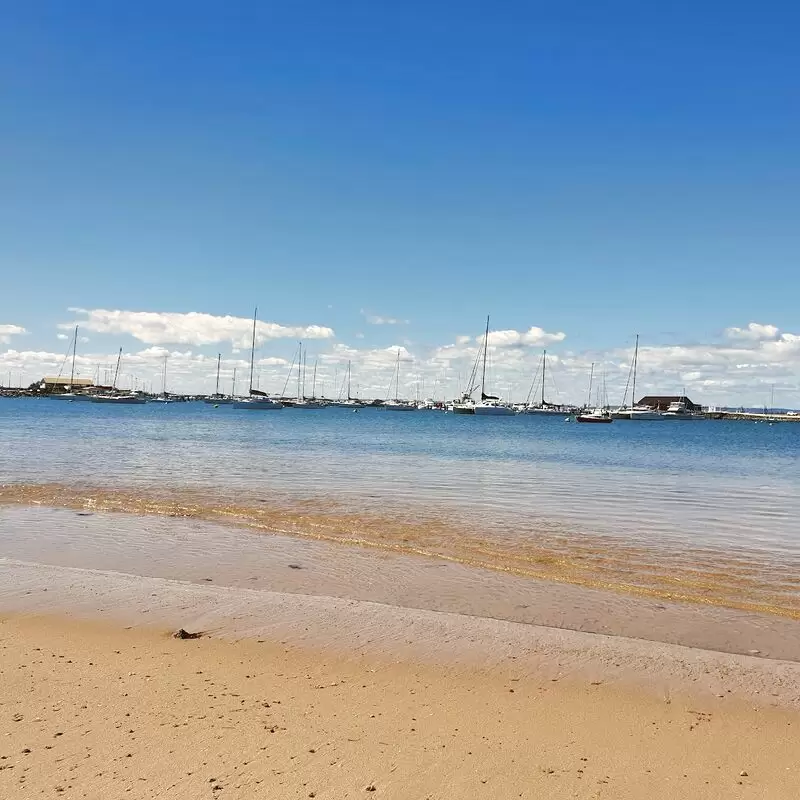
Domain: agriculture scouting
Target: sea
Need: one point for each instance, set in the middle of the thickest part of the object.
(704, 513)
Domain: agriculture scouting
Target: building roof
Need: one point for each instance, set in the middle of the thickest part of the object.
(61, 380)
(662, 402)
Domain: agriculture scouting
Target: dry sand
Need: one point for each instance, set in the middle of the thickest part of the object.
(94, 710)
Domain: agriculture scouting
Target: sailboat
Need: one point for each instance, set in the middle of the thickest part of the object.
(543, 407)
(349, 401)
(634, 412)
(598, 414)
(217, 398)
(302, 401)
(397, 404)
(115, 398)
(257, 400)
(163, 397)
(490, 406)
(71, 394)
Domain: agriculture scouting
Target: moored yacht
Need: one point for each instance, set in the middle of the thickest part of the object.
(257, 401)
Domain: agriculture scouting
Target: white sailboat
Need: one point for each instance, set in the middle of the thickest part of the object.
(164, 396)
(257, 401)
(634, 412)
(302, 401)
(397, 404)
(542, 407)
(71, 394)
(490, 406)
(345, 399)
(217, 398)
(118, 398)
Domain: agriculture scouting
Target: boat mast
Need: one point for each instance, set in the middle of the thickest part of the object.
(314, 382)
(635, 363)
(253, 349)
(544, 370)
(74, 348)
(116, 371)
(591, 376)
(299, 359)
(305, 354)
(348, 380)
(397, 379)
(233, 385)
(219, 358)
(485, 348)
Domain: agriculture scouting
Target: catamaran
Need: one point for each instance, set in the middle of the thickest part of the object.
(257, 401)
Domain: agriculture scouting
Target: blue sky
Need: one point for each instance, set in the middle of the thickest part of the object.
(591, 169)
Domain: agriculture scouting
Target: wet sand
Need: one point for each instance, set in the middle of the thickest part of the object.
(91, 710)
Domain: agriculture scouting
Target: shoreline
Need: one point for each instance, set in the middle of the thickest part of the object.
(42, 546)
(363, 629)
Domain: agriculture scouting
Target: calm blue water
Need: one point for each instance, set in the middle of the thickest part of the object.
(713, 484)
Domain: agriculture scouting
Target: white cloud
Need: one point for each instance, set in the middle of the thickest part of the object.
(62, 336)
(7, 331)
(359, 336)
(530, 338)
(377, 319)
(193, 328)
(754, 332)
(463, 339)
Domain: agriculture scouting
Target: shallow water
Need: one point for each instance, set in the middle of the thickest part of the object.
(702, 511)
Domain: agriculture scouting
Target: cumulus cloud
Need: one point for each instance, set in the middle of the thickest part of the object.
(7, 331)
(533, 337)
(377, 319)
(754, 332)
(193, 328)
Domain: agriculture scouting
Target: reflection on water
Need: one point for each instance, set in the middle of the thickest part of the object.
(703, 511)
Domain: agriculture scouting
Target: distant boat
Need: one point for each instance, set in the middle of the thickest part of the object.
(397, 404)
(679, 410)
(71, 394)
(303, 402)
(634, 412)
(597, 415)
(117, 398)
(163, 397)
(257, 401)
(349, 401)
(217, 398)
(489, 405)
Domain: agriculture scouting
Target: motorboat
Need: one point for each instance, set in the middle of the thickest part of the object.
(600, 415)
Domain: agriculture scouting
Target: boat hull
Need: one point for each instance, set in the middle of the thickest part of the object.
(588, 418)
(120, 401)
(258, 405)
(84, 398)
(493, 411)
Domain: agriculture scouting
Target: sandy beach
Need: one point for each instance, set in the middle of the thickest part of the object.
(100, 710)
(97, 711)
